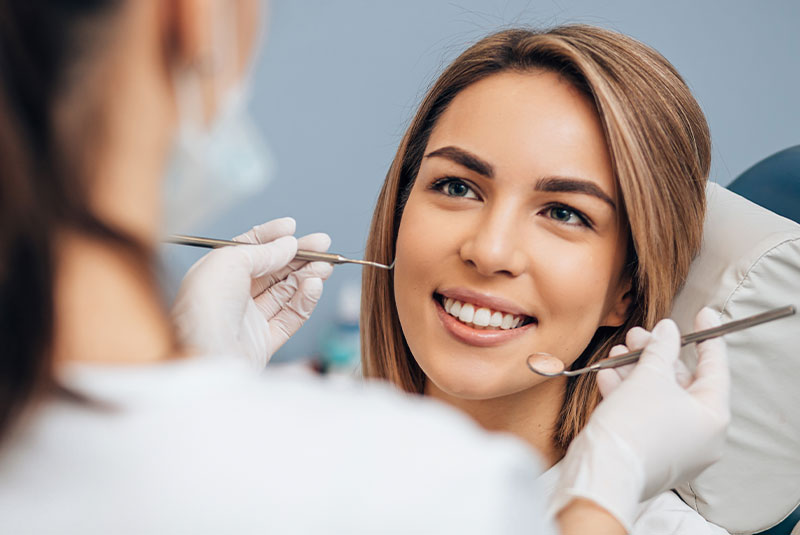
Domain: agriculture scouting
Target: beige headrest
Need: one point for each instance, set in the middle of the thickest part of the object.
(750, 262)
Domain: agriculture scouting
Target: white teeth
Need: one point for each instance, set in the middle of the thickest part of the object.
(467, 313)
(481, 318)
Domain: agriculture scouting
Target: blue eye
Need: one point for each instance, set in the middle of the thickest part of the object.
(455, 187)
(565, 215)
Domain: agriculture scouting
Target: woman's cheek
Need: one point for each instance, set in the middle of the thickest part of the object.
(424, 236)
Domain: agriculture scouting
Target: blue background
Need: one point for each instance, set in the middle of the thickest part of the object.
(336, 83)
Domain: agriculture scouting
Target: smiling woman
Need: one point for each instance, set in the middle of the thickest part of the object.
(548, 196)
(529, 237)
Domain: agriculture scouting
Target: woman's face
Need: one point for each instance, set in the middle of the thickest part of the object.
(511, 241)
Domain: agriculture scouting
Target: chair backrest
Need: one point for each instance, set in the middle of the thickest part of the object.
(750, 262)
(773, 183)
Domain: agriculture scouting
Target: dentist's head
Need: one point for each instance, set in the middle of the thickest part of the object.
(96, 96)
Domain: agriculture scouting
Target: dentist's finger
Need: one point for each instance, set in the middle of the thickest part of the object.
(295, 313)
(609, 379)
(269, 231)
(318, 242)
(267, 258)
(239, 265)
(712, 375)
(281, 291)
(662, 350)
(682, 374)
(637, 338)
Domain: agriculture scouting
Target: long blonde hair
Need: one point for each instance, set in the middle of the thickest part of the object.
(660, 152)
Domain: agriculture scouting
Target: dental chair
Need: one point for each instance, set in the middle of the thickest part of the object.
(750, 262)
(774, 183)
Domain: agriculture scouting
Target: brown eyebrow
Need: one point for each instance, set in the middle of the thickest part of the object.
(574, 185)
(464, 158)
(550, 184)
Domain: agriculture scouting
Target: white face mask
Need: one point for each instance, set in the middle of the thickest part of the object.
(213, 165)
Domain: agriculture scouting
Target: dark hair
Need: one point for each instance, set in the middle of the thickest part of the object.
(43, 183)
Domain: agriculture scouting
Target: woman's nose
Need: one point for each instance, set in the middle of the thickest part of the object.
(493, 248)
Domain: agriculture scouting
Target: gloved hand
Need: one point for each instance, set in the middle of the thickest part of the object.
(250, 299)
(656, 427)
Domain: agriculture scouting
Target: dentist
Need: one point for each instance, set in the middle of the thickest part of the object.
(117, 418)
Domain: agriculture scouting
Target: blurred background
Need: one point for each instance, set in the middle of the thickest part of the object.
(336, 83)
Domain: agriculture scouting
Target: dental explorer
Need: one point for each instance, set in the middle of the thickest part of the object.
(311, 256)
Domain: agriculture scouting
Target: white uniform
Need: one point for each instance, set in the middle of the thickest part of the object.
(665, 514)
(203, 446)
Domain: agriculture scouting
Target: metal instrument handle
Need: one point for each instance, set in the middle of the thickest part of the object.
(697, 337)
(302, 254)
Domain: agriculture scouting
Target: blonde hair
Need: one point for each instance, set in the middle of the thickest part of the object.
(660, 152)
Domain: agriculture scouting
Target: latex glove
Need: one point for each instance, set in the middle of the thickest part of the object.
(251, 299)
(656, 427)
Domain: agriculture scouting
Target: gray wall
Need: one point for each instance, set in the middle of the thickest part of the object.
(337, 82)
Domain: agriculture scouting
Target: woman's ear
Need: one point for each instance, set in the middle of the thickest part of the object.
(618, 312)
(197, 59)
(187, 32)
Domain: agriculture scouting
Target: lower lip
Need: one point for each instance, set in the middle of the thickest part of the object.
(478, 337)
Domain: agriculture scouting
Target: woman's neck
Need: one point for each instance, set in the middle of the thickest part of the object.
(530, 415)
(106, 310)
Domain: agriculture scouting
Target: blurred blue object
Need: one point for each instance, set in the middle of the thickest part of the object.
(774, 183)
(340, 346)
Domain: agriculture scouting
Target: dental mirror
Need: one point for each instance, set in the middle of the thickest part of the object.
(548, 365)
(545, 364)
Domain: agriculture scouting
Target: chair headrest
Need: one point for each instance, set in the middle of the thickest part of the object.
(749, 263)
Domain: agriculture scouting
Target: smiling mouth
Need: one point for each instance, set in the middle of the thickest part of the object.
(482, 318)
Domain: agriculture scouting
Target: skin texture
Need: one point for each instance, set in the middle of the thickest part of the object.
(503, 237)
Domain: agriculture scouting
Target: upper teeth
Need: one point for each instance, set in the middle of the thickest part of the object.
(481, 317)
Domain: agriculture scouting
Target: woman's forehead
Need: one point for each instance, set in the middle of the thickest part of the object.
(528, 124)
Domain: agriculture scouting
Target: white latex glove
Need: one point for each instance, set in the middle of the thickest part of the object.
(656, 427)
(249, 300)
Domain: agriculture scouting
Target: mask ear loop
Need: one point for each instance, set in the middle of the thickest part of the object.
(213, 130)
(224, 53)
(196, 117)
(191, 139)
(184, 168)
(201, 86)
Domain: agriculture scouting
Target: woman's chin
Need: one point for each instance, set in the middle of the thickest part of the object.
(473, 386)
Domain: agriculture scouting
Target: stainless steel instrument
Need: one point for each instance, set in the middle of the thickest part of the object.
(311, 256)
(548, 365)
